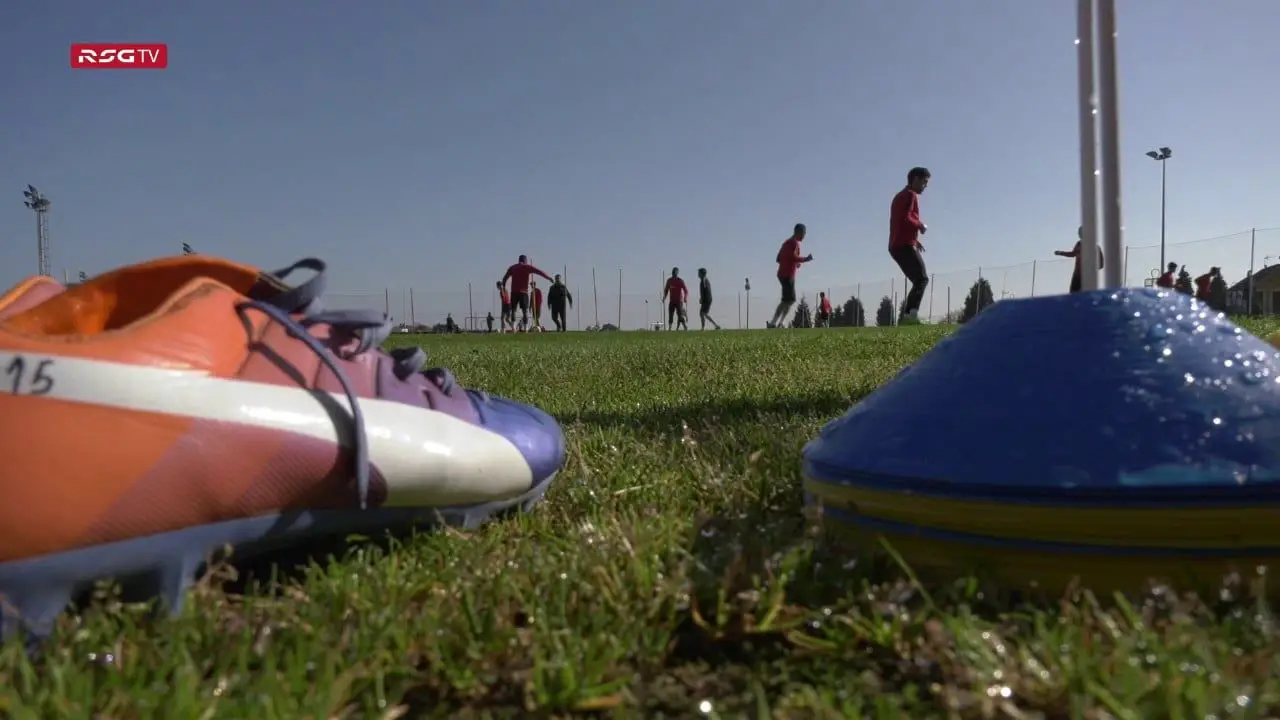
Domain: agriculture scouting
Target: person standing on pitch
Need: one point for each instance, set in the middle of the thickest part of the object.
(519, 275)
(507, 316)
(676, 293)
(905, 229)
(704, 300)
(559, 299)
(1166, 280)
(537, 306)
(489, 320)
(789, 262)
(1075, 253)
(824, 310)
(1204, 284)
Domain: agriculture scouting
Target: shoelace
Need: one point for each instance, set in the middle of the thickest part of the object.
(369, 327)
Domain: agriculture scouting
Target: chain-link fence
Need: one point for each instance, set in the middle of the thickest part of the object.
(630, 302)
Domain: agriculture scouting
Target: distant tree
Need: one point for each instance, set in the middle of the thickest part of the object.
(1218, 293)
(978, 299)
(853, 314)
(804, 316)
(884, 313)
(837, 315)
(1183, 283)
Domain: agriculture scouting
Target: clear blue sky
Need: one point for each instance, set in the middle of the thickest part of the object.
(426, 144)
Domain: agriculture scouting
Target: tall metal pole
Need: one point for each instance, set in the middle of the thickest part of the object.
(43, 241)
(932, 285)
(1088, 144)
(1033, 278)
(1109, 147)
(38, 203)
(471, 306)
(386, 301)
(619, 298)
(1163, 164)
(1253, 244)
(412, 320)
(40, 263)
(595, 296)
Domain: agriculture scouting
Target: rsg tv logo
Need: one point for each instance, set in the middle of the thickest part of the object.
(119, 56)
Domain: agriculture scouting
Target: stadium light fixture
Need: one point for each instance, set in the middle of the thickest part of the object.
(1160, 156)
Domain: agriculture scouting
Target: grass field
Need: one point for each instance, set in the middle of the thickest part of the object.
(670, 572)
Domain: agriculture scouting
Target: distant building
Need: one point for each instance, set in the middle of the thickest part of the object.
(1266, 293)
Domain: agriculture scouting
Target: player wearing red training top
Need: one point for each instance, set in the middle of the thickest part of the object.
(824, 310)
(506, 321)
(789, 262)
(1075, 253)
(519, 275)
(905, 229)
(676, 293)
(1204, 284)
(1166, 280)
(537, 305)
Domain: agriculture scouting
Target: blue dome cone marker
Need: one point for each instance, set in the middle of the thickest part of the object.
(1112, 396)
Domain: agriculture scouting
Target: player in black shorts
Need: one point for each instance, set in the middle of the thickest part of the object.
(789, 262)
(704, 300)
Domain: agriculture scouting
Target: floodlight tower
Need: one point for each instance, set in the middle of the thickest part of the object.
(39, 203)
(1160, 156)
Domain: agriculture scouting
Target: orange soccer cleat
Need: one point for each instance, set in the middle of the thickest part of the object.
(159, 412)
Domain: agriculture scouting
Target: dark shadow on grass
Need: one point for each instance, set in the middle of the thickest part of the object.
(268, 572)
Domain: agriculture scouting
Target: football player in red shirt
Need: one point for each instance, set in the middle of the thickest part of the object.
(519, 275)
(676, 293)
(905, 229)
(537, 306)
(507, 318)
(824, 310)
(1205, 282)
(1166, 280)
(789, 262)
